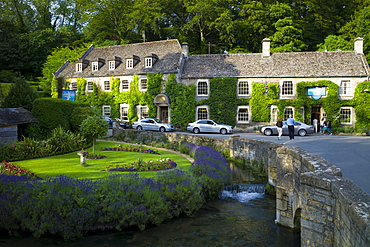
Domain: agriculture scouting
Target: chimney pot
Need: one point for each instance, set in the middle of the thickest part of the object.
(185, 49)
(266, 47)
(359, 45)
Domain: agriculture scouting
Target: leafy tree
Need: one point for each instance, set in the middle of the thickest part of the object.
(94, 127)
(333, 43)
(363, 30)
(20, 95)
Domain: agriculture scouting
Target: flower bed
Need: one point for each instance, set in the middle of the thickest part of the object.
(8, 168)
(131, 148)
(140, 165)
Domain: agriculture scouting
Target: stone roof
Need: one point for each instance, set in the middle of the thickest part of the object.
(167, 51)
(289, 64)
(15, 116)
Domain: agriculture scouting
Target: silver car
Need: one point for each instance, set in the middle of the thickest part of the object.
(300, 128)
(208, 125)
(152, 124)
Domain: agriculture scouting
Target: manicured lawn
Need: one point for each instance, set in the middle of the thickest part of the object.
(69, 164)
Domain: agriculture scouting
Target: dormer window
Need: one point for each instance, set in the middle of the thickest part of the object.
(94, 66)
(79, 67)
(148, 62)
(130, 63)
(112, 65)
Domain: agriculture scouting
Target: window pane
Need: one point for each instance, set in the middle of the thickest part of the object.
(202, 113)
(287, 88)
(144, 112)
(345, 115)
(287, 112)
(129, 63)
(148, 62)
(243, 115)
(143, 84)
(106, 111)
(125, 85)
(107, 85)
(345, 87)
(243, 88)
(202, 88)
(111, 65)
(90, 86)
(94, 66)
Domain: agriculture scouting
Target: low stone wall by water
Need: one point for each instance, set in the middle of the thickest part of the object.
(311, 194)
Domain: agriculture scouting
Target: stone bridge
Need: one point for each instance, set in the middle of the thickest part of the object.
(311, 194)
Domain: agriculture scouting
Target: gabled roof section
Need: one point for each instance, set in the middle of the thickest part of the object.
(15, 116)
(168, 52)
(289, 64)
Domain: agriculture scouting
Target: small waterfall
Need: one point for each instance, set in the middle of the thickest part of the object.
(243, 192)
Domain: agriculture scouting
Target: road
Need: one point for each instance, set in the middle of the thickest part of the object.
(350, 153)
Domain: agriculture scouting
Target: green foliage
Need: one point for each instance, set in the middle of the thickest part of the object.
(19, 95)
(51, 114)
(93, 127)
(362, 102)
(62, 141)
(261, 101)
(333, 43)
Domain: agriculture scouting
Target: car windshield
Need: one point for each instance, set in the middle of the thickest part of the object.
(158, 120)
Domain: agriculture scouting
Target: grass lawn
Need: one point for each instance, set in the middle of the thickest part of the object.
(69, 164)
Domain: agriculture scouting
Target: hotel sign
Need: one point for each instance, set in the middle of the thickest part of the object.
(316, 92)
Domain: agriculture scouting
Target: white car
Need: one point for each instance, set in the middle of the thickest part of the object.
(300, 129)
(208, 125)
(152, 124)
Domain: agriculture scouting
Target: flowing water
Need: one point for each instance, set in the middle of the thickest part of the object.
(242, 216)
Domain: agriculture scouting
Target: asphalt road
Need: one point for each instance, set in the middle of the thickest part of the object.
(350, 153)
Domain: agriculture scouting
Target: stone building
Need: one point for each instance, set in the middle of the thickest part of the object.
(346, 69)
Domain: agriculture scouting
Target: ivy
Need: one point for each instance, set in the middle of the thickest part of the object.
(362, 102)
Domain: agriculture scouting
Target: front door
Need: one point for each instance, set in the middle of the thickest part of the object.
(315, 114)
(164, 114)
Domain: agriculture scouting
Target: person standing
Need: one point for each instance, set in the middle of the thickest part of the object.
(290, 122)
(329, 128)
(314, 123)
(279, 125)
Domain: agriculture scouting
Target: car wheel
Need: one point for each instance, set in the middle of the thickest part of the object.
(139, 128)
(196, 130)
(162, 129)
(302, 132)
(267, 132)
(223, 131)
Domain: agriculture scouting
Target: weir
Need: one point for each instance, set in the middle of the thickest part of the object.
(311, 194)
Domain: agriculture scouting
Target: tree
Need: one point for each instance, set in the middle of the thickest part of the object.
(363, 30)
(93, 127)
(20, 95)
(333, 43)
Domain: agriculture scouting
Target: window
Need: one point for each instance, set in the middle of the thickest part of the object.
(124, 111)
(288, 111)
(125, 85)
(106, 110)
(90, 86)
(73, 86)
(148, 62)
(287, 88)
(345, 115)
(243, 88)
(202, 112)
(345, 88)
(107, 86)
(79, 67)
(143, 84)
(112, 65)
(129, 63)
(94, 66)
(243, 114)
(143, 112)
(202, 88)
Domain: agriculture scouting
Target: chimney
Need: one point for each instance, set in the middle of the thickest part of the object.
(185, 49)
(359, 45)
(266, 47)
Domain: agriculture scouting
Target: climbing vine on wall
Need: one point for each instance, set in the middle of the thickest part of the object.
(362, 102)
(261, 101)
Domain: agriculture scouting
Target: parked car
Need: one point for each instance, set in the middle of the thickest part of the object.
(300, 128)
(152, 124)
(109, 121)
(208, 125)
(124, 123)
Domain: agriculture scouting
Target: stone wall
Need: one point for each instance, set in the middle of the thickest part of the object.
(311, 194)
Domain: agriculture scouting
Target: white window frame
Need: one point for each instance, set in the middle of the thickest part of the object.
(129, 63)
(197, 112)
(78, 67)
(345, 87)
(112, 65)
(141, 88)
(128, 85)
(283, 90)
(73, 86)
(106, 110)
(123, 110)
(142, 111)
(350, 115)
(274, 113)
(248, 114)
(286, 114)
(107, 86)
(90, 86)
(200, 90)
(247, 88)
(148, 62)
(94, 66)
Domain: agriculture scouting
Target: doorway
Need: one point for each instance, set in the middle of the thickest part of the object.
(316, 114)
(163, 114)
